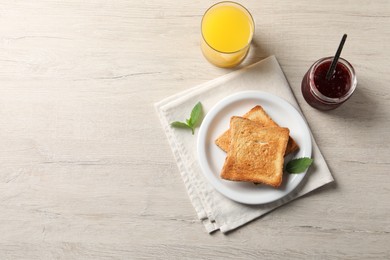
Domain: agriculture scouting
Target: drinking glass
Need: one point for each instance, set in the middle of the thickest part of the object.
(227, 31)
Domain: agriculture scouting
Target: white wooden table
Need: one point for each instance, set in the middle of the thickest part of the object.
(86, 171)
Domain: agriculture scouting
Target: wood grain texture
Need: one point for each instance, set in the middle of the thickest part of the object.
(86, 171)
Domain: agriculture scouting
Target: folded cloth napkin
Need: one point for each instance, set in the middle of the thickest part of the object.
(215, 210)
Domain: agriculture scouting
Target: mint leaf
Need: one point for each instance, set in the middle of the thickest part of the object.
(298, 165)
(194, 119)
(180, 124)
(195, 114)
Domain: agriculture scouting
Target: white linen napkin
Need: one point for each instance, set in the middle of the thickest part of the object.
(215, 210)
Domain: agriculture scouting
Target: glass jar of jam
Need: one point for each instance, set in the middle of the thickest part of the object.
(329, 94)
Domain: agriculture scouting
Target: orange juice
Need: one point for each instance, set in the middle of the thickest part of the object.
(227, 30)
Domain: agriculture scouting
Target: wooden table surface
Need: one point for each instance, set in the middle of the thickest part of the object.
(87, 172)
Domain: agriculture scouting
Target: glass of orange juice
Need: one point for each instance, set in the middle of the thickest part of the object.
(227, 31)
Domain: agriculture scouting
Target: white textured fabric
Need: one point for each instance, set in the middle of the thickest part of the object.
(213, 209)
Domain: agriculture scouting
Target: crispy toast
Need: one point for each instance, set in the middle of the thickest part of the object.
(256, 153)
(258, 115)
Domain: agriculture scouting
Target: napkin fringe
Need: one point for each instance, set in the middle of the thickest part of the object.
(192, 181)
(194, 196)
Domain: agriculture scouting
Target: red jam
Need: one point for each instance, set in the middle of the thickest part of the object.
(329, 94)
(338, 84)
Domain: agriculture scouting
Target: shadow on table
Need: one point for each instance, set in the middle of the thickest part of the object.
(256, 53)
(360, 107)
(329, 187)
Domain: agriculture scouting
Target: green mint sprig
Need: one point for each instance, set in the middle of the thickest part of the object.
(193, 121)
(298, 165)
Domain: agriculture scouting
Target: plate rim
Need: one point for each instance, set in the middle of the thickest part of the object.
(203, 130)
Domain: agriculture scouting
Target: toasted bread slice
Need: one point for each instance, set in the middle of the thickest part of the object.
(258, 115)
(256, 153)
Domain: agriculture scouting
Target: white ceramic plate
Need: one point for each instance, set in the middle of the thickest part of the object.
(212, 158)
